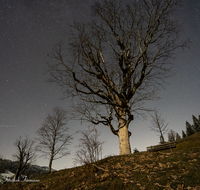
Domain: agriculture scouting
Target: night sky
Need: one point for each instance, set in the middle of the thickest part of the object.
(29, 29)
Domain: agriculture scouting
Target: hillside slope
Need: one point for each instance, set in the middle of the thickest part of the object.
(179, 169)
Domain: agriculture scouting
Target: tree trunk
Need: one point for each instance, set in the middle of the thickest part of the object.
(19, 168)
(162, 137)
(50, 163)
(123, 134)
(17, 174)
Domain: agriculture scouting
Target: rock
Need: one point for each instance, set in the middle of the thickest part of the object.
(174, 176)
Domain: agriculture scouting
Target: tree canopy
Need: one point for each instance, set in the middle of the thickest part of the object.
(117, 61)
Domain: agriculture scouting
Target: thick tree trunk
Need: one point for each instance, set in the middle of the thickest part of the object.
(123, 134)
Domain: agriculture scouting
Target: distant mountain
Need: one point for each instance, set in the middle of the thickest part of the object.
(33, 171)
(44, 168)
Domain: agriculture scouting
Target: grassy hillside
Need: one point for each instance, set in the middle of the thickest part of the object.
(145, 170)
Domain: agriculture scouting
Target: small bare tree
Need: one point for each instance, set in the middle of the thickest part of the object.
(171, 136)
(52, 136)
(159, 125)
(89, 148)
(118, 61)
(25, 154)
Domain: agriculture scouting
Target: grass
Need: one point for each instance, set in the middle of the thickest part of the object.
(143, 170)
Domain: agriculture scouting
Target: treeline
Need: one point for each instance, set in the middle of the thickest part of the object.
(190, 130)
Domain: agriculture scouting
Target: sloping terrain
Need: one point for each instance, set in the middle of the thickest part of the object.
(179, 169)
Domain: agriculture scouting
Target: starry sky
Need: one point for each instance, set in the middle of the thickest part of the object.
(29, 29)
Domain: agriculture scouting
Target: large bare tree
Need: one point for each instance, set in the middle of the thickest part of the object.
(25, 154)
(116, 62)
(53, 137)
(159, 125)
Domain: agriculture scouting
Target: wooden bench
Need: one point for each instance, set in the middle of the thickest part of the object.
(168, 145)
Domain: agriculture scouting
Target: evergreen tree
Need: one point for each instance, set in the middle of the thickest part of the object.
(183, 134)
(196, 123)
(178, 137)
(189, 129)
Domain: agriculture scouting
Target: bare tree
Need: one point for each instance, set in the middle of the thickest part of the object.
(89, 148)
(52, 136)
(118, 61)
(171, 136)
(25, 154)
(159, 125)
